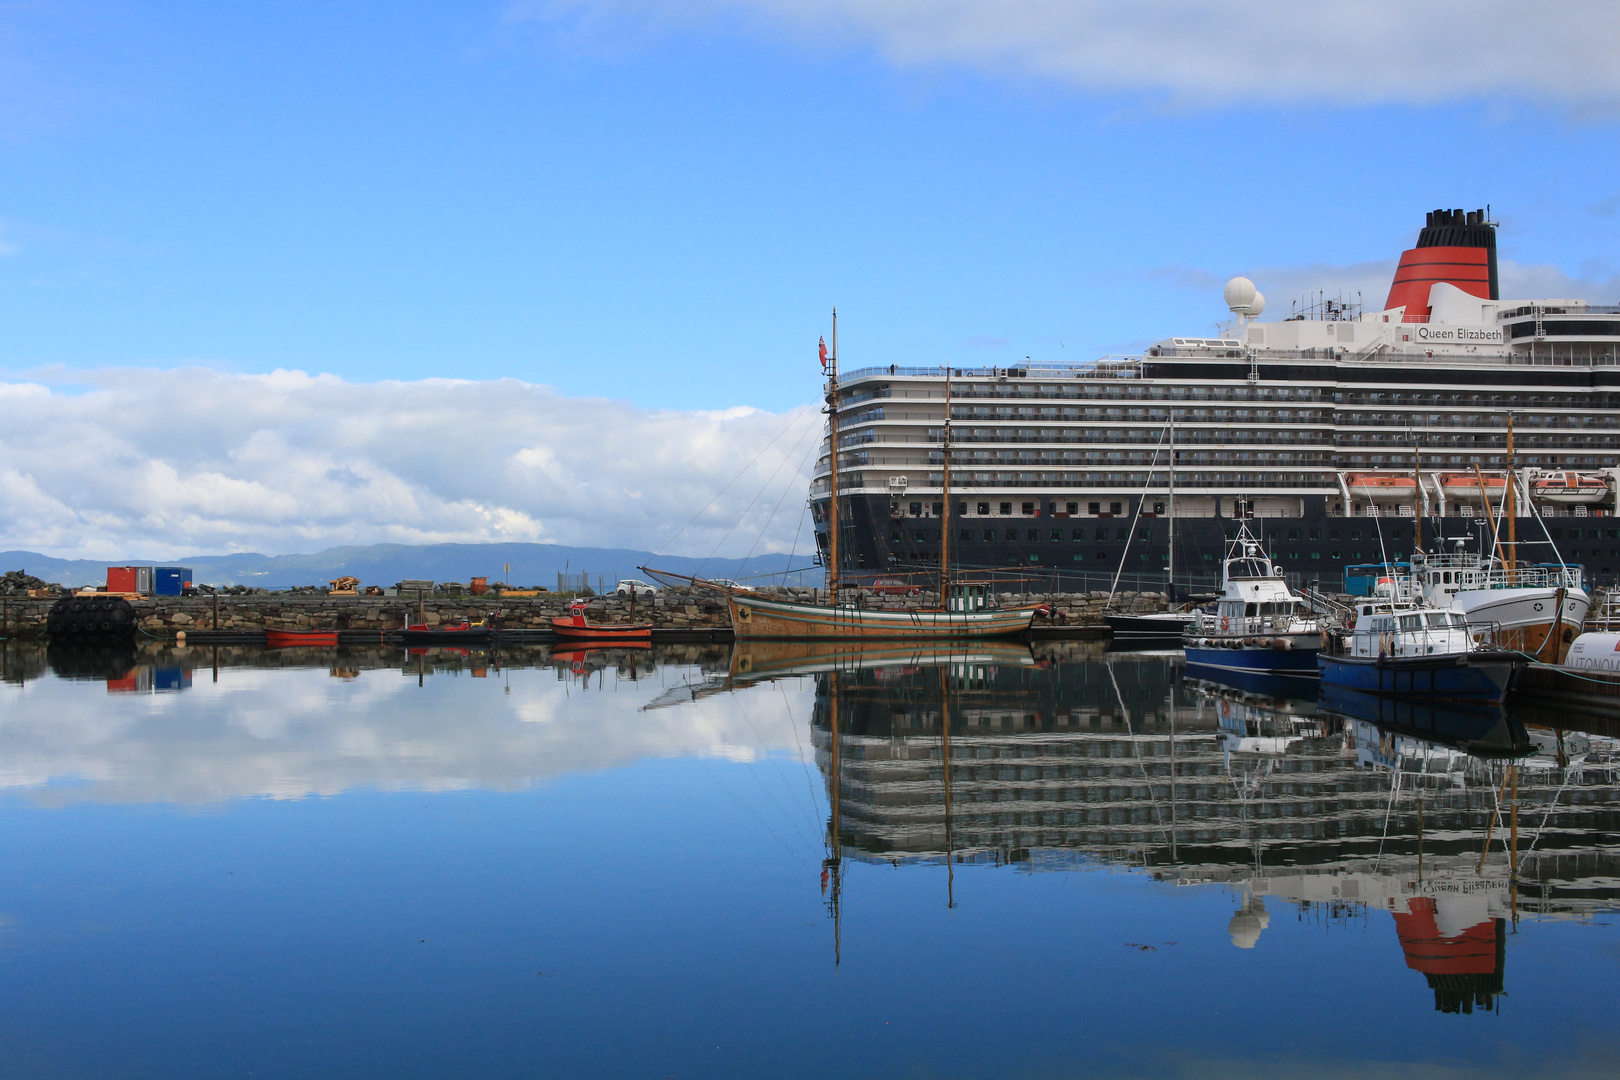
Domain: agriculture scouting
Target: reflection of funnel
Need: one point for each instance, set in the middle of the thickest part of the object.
(1248, 921)
(1464, 965)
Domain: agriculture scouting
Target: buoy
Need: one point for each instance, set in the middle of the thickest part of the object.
(180, 637)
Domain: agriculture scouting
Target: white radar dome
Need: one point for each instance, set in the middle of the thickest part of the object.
(1243, 298)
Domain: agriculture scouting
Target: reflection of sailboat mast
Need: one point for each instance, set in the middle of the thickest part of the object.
(832, 865)
(1170, 694)
(945, 756)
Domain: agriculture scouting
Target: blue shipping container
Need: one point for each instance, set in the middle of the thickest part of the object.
(170, 580)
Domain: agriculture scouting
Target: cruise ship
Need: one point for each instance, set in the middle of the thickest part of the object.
(1339, 434)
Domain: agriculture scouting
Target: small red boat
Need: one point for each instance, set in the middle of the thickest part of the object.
(300, 637)
(576, 627)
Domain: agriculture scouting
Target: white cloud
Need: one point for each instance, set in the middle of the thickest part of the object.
(1196, 51)
(198, 460)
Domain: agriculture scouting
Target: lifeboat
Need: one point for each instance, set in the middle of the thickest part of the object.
(1380, 485)
(1464, 485)
(1570, 487)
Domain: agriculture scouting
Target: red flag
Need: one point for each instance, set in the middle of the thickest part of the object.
(824, 354)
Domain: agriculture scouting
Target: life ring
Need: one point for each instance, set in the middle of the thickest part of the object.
(1226, 624)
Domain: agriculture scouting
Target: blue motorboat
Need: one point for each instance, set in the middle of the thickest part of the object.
(1258, 625)
(1418, 651)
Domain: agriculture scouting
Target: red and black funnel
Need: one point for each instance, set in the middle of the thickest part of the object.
(1456, 247)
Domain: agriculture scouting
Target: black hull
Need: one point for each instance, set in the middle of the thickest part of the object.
(447, 637)
(1128, 628)
(1317, 547)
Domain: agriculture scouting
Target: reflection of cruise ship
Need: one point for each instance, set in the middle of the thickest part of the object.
(1306, 425)
(1113, 763)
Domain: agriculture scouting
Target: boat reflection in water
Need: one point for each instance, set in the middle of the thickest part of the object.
(1340, 810)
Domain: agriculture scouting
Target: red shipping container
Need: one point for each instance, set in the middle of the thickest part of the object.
(129, 579)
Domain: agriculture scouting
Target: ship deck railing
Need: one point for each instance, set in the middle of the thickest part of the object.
(1252, 625)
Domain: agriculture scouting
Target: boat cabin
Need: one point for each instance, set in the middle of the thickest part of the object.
(1384, 631)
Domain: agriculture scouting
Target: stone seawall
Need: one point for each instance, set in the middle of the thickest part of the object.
(674, 609)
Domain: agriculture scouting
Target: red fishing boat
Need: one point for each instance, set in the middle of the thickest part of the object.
(576, 627)
(278, 638)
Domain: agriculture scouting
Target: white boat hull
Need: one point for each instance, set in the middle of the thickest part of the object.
(1525, 617)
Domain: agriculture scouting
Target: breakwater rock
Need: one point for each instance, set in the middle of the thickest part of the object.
(672, 609)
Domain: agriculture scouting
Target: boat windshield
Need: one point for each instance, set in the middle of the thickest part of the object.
(1411, 622)
(1248, 568)
(1437, 620)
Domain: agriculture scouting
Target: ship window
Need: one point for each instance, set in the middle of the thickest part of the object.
(1029, 509)
(1006, 508)
(1057, 534)
(939, 509)
(1074, 507)
(1411, 622)
(1078, 535)
(966, 534)
(1316, 554)
(1334, 555)
(1116, 508)
(990, 535)
(896, 537)
(1123, 534)
(1093, 508)
(983, 508)
(1102, 555)
(1437, 620)
(1158, 508)
(961, 509)
(1012, 534)
(920, 535)
(916, 509)
(1251, 609)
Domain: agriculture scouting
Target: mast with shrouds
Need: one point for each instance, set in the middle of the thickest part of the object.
(965, 610)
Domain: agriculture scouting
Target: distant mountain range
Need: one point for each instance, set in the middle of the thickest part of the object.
(384, 564)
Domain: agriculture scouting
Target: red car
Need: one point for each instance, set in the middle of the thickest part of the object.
(894, 587)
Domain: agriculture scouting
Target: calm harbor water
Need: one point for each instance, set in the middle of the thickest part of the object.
(689, 863)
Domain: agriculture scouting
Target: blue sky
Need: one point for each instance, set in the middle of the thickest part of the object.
(658, 202)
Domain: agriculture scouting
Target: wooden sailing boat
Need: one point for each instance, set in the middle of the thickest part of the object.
(968, 611)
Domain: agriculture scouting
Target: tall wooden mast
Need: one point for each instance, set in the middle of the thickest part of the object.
(945, 506)
(832, 430)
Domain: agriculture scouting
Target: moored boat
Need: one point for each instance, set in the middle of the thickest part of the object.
(754, 616)
(1534, 609)
(576, 626)
(1259, 626)
(969, 610)
(281, 638)
(1417, 651)
(1154, 626)
(464, 631)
